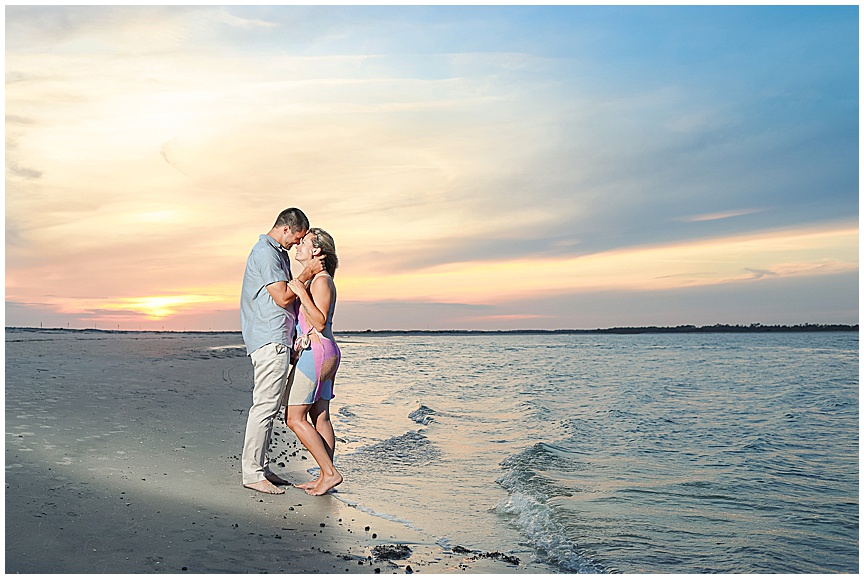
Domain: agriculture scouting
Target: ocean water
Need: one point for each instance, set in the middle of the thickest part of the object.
(686, 453)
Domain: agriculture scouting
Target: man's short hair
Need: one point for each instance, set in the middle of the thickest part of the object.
(293, 218)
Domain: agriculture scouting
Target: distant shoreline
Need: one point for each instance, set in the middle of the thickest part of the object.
(687, 329)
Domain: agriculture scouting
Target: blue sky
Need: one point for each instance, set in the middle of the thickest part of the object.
(480, 167)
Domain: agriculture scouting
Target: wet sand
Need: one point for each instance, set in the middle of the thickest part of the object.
(123, 456)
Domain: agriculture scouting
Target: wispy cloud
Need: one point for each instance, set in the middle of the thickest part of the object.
(706, 262)
(719, 215)
(23, 172)
(505, 318)
(246, 23)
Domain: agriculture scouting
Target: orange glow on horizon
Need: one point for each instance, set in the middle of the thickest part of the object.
(158, 307)
(712, 262)
(774, 254)
(134, 309)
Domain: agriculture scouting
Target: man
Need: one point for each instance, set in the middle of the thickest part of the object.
(267, 318)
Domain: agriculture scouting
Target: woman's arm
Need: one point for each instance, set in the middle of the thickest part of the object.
(280, 290)
(315, 301)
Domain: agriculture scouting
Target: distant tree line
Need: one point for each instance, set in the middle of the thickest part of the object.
(729, 329)
(686, 329)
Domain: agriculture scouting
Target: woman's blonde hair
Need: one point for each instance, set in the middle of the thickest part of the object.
(324, 241)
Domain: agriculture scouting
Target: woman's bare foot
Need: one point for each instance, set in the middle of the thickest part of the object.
(325, 483)
(265, 486)
(308, 485)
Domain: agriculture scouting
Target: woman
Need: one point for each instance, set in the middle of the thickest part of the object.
(318, 359)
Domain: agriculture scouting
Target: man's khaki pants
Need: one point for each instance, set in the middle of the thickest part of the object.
(270, 364)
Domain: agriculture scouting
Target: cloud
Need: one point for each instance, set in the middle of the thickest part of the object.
(769, 300)
(18, 120)
(226, 17)
(166, 151)
(760, 273)
(477, 149)
(79, 29)
(147, 147)
(507, 318)
(23, 172)
(790, 253)
(720, 215)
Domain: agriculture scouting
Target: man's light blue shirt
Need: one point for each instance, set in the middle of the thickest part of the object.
(261, 319)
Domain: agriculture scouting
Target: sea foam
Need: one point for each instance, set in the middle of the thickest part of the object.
(528, 505)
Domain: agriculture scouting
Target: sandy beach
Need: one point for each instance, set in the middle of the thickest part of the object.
(122, 456)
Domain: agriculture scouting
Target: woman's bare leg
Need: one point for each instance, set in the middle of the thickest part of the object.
(319, 414)
(295, 417)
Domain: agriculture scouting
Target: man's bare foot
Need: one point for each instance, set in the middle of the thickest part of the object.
(309, 485)
(265, 486)
(276, 479)
(325, 483)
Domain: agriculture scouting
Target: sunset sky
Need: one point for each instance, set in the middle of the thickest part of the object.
(492, 167)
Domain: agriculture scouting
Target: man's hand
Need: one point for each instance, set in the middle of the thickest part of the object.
(316, 264)
(313, 267)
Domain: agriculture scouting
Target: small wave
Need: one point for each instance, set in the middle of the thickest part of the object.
(423, 415)
(543, 456)
(535, 521)
(346, 412)
(528, 504)
(399, 454)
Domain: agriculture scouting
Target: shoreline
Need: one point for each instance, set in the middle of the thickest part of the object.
(122, 456)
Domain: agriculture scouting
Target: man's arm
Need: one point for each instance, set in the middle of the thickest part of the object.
(282, 294)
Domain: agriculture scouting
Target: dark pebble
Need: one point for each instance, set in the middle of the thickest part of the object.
(409, 570)
(374, 535)
(323, 525)
(184, 569)
(377, 570)
(367, 528)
